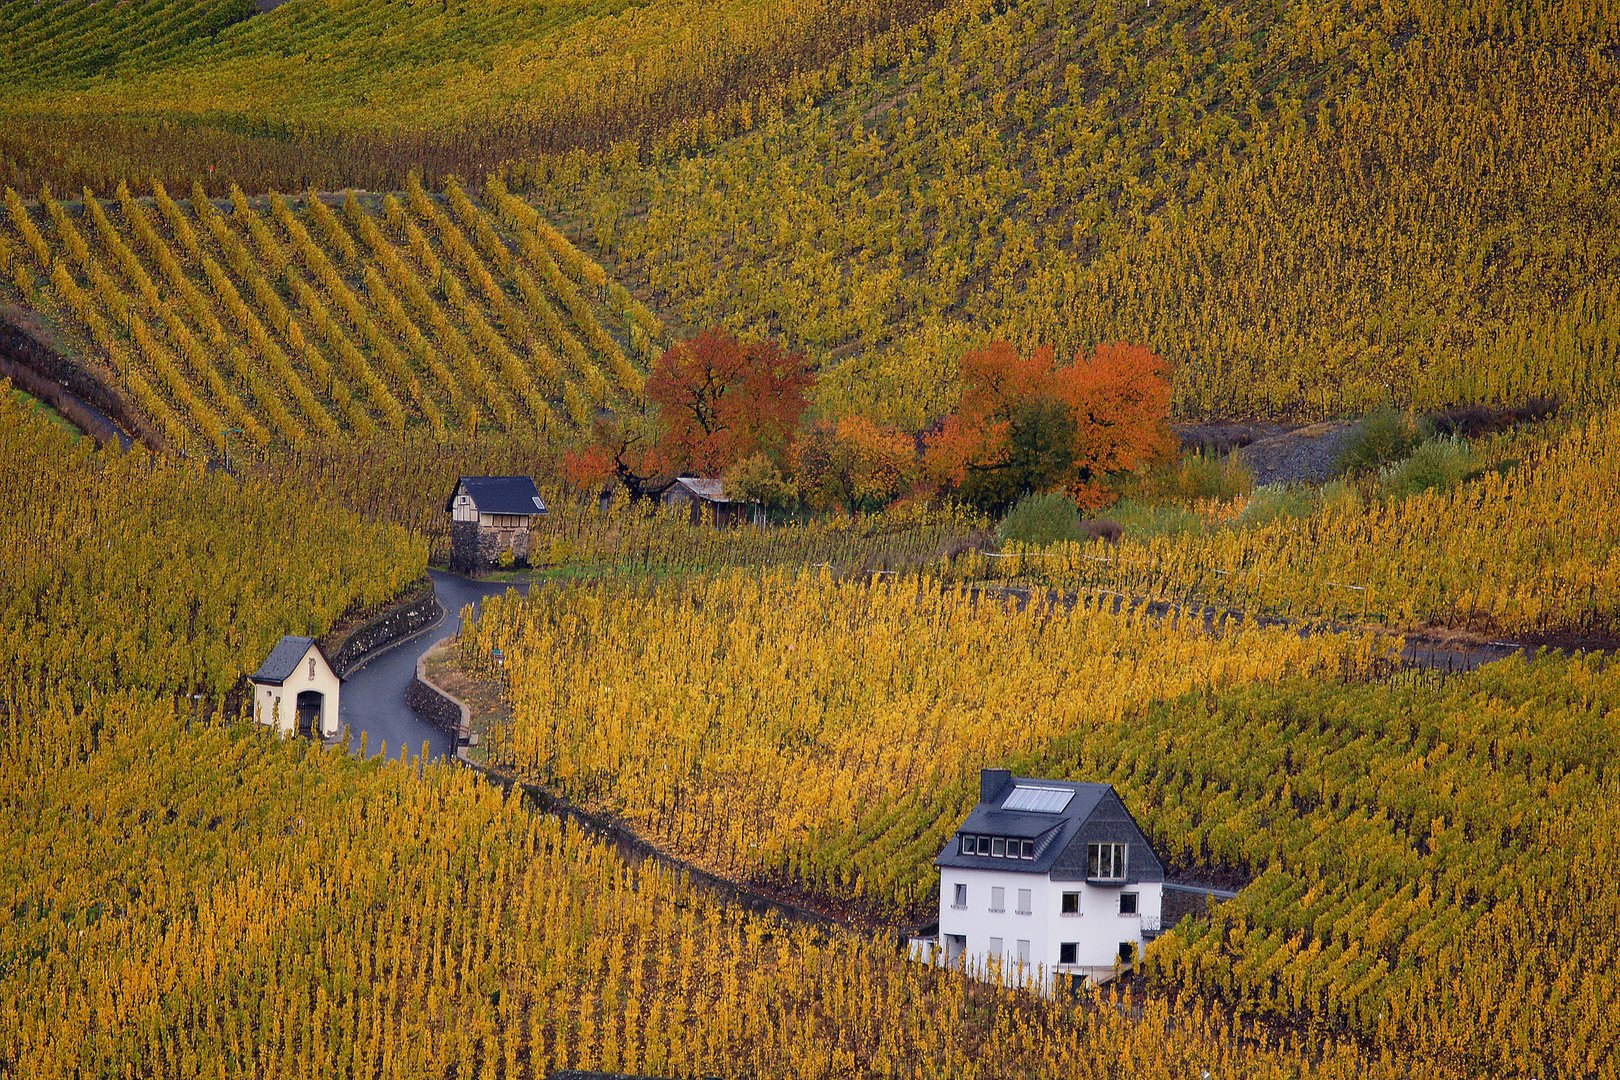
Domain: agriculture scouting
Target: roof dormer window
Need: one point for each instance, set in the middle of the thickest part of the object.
(1105, 862)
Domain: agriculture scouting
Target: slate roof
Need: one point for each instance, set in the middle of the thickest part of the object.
(283, 660)
(1054, 833)
(499, 494)
(707, 488)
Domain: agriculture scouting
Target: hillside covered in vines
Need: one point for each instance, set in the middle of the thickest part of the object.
(1309, 212)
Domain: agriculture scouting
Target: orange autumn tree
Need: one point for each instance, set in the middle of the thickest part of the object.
(1025, 424)
(853, 464)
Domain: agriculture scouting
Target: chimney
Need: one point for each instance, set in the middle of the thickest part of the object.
(993, 782)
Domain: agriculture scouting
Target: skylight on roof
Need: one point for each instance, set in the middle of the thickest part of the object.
(1040, 800)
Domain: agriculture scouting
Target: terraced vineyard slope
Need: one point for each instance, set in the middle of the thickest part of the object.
(341, 93)
(1308, 212)
(123, 571)
(289, 319)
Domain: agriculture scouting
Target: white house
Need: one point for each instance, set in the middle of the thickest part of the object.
(1053, 881)
(295, 690)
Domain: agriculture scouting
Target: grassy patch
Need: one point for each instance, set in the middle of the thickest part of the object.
(45, 412)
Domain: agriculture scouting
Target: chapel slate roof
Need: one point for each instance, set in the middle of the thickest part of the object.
(282, 661)
(1093, 813)
(499, 494)
(707, 488)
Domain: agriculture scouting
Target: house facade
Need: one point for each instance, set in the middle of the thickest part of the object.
(490, 517)
(295, 690)
(1047, 882)
(705, 499)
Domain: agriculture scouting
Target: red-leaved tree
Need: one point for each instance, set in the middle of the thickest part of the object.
(721, 399)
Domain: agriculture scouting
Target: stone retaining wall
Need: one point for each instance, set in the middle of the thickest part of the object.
(435, 706)
(634, 848)
(384, 630)
(72, 391)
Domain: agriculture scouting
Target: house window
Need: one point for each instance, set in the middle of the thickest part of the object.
(1026, 849)
(1071, 903)
(1068, 952)
(970, 846)
(1127, 952)
(1127, 903)
(1023, 951)
(1023, 901)
(984, 845)
(1105, 862)
(998, 848)
(959, 899)
(312, 668)
(997, 947)
(998, 898)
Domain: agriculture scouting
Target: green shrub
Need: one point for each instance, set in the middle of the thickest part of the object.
(1275, 502)
(1138, 518)
(1195, 476)
(1383, 437)
(1436, 464)
(1041, 519)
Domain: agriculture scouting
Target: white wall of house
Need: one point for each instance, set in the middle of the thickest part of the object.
(1038, 933)
(462, 509)
(277, 706)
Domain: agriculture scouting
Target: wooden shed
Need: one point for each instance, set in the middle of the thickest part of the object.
(705, 499)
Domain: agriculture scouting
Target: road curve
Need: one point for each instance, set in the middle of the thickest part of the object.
(373, 696)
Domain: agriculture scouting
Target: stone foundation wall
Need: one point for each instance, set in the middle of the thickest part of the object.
(476, 549)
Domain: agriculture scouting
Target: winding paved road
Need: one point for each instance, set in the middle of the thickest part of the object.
(373, 698)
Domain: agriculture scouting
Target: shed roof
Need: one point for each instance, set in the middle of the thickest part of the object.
(499, 494)
(707, 488)
(284, 659)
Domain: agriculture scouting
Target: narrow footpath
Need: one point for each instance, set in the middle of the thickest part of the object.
(373, 700)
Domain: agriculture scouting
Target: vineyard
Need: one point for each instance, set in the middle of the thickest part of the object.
(293, 320)
(361, 93)
(321, 260)
(1308, 216)
(1418, 848)
(124, 571)
(737, 719)
(211, 902)
(1528, 550)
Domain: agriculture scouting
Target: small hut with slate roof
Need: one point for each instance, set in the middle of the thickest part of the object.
(705, 498)
(489, 521)
(295, 690)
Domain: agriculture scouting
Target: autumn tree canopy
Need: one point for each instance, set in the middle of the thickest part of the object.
(721, 399)
(712, 403)
(853, 464)
(1025, 424)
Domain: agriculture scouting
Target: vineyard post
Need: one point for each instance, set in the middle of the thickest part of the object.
(225, 437)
